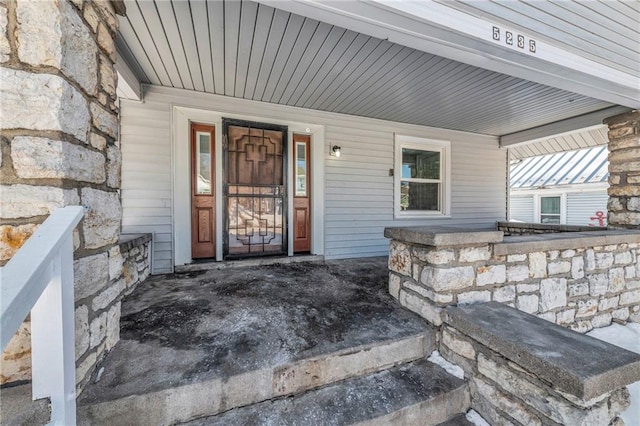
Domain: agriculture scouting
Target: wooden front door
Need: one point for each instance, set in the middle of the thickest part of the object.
(302, 194)
(203, 236)
(255, 196)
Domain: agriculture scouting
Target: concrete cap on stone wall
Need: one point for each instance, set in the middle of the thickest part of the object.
(444, 235)
(521, 244)
(574, 363)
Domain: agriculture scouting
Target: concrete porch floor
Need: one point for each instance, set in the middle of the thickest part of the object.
(185, 328)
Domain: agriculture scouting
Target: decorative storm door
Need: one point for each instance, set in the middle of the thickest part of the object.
(254, 189)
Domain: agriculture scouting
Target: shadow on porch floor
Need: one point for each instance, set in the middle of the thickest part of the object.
(181, 330)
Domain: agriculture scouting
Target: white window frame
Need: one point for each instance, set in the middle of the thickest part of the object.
(424, 144)
(537, 206)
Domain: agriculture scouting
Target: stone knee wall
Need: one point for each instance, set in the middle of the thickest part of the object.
(111, 276)
(59, 142)
(624, 170)
(579, 288)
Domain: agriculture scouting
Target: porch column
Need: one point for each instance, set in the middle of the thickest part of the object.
(58, 147)
(624, 170)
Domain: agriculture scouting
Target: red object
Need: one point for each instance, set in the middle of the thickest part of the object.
(600, 217)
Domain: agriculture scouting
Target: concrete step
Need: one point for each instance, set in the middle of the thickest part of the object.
(17, 407)
(417, 393)
(198, 344)
(222, 393)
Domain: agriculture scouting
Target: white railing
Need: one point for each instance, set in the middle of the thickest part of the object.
(39, 279)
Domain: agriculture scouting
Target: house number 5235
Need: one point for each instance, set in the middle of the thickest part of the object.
(517, 41)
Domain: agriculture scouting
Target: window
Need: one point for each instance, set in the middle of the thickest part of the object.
(421, 177)
(550, 209)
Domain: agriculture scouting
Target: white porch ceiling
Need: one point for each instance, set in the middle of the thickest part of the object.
(585, 138)
(253, 51)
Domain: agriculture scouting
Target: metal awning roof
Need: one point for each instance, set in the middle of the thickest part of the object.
(566, 168)
(253, 51)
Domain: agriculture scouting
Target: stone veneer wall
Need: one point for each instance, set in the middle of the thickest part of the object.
(59, 146)
(624, 170)
(579, 288)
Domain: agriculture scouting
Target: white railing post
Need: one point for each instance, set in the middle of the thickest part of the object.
(39, 279)
(53, 358)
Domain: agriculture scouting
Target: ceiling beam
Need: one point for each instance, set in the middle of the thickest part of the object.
(128, 84)
(562, 127)
(444, 31)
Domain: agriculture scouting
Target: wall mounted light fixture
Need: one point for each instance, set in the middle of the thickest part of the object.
(334, 150)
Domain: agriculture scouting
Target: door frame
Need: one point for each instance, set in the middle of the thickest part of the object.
(180, 163)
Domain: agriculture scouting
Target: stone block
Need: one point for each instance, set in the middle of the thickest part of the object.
(602, 320)
(460, 346)
(491, 274)
(113, 325)
(577, 268)
(103, 120)
(440, 298)
(47, 102)
(115, 263)
(82, 330)
(537, 265)
(475, 254)
(98, 330)
(101, 224)
(85, 367)
(565, 317)
(616, 280)
(91, 275)
(394, 283)
(97, 141)
(587, 308)
(603, 260)
(553, 254)
(630, 272)
(513, 258)
(111, 293)
(554, 407)
(614, 204)
(114, 165)
(505, 404)
(15, 362)
(23, 201)
(553, 294)
(13, 237)
(52, 33)
(399, 258)
(598, 284)
(627, 218)
(527, 303)
(474, 297)
(547, 316)
(5, 49)
(567, 254)
(623, 258)
(130, 272)
(618, 402)
(422, 307)
(581, 327)
(435, 256)
(448, 279)
(557, 268)
(41, 158)
(621, 314)
(528, 288)
(590, 260)
(516, 273)
(108, 80)
(505, 294)
(630, 297)
(608, 303)
(106, 42)
(578, 289)
(91, 17)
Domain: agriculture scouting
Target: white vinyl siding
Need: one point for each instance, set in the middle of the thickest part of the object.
(521, 208)
(358, 189)
(582, 206)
